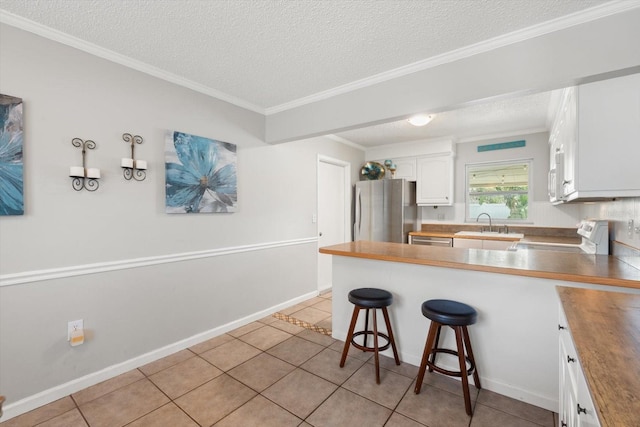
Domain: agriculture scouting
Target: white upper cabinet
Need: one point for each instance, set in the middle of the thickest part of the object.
(434, 184)
(597, 131)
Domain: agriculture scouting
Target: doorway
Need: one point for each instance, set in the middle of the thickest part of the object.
(334, 212)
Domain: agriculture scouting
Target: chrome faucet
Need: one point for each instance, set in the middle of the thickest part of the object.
(490, 226)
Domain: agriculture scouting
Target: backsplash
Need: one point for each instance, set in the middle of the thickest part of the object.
(619, 212)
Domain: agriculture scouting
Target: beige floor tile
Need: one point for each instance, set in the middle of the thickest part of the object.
(123, 405)
(326, 364)
(100, 389)
(324, 340)
(259, 412)
(245, 329)
(167, 415)
(353, 352)
(398, 420)
(388, 393)
(295, 350)
(343, 407)
(403, 368)
(300, 392)
(265, 337)
(293, 308)
(72, 418)
(261, 371)
(211, 343)
(166, 362)
(185, 376)
(434, 407)
(230, 355)
(287, 327)
(214, 400)
(310, 315)
(268, 319)
(516, 407)
(323, 304)
(326, 323)
(450, 384)
(485, 416)
(312, 301)
(42, 414)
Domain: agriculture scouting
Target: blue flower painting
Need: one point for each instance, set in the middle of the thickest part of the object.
(201, 174)
(11, 178)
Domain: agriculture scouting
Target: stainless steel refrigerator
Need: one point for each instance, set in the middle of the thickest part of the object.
(385, 210)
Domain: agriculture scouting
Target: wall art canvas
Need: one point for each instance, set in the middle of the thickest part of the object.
(11, 167)
(200, 174)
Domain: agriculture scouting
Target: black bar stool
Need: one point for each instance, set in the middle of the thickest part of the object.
(458, 316)
(370, 298)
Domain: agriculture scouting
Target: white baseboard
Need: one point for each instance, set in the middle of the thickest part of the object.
(47, 396)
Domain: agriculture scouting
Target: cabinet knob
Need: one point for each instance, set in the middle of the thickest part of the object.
(560, 327)
(566, 181)
(563, 424)
(581, 409)
(570, 359)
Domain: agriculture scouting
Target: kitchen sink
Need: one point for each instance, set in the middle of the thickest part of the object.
(490, 234)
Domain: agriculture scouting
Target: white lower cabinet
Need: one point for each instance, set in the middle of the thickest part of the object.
(502, 245)
(576, 406)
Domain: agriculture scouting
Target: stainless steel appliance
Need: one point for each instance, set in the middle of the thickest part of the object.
(385, 210)
(595, 240)
(431, 241)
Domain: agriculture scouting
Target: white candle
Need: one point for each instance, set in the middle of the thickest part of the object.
(93, 173)
(126, 163)
(141, 164)
(76, 171)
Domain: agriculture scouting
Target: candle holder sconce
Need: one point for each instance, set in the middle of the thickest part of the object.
(84, 177)
(132, 168)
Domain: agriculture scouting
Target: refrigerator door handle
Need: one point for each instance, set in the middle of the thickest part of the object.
(358, 222)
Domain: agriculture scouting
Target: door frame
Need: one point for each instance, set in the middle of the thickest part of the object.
(347, 196)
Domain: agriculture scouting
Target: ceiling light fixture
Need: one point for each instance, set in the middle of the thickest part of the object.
(420, 119)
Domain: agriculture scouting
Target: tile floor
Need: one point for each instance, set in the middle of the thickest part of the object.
(275, 373)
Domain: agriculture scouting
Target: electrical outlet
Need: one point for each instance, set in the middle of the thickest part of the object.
(74, 325)
(630, 229)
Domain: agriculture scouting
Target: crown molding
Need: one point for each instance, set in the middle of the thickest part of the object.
(587, 15)
(93, 49)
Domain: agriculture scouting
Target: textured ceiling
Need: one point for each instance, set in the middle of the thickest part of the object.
(504, 117)
(271, 52)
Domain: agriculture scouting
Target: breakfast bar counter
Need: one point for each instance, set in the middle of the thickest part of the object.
(583, 268)
(515, 339)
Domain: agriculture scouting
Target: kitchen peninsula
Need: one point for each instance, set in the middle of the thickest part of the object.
(515, 339)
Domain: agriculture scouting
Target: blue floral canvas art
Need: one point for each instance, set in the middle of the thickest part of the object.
(11, 178)
(201, 174)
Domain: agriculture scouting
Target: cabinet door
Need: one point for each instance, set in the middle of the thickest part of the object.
(467, 243)
(585, 408)
(406, 168)
(434, 185)
(568, 141)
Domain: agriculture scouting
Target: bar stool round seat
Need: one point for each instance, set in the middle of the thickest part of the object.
(458, 316)
(370, 299)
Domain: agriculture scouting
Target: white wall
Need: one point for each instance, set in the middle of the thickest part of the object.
(541, 212)
(146, 283)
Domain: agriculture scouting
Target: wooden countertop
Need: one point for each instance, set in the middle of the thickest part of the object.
(597, 269)
(605, 327)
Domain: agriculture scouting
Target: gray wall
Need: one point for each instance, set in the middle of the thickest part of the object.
(146, 283)
(541, 212)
